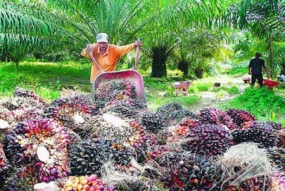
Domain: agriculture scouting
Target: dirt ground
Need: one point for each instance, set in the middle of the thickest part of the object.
(213, 99)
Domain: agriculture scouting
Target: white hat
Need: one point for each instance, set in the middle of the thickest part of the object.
(102, 37)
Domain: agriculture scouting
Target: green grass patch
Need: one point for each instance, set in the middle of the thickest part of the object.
(231, 90)
(238, 71)
(186, 101)
(45, 79)
(260, 102)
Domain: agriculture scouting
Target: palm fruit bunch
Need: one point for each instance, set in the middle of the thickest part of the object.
(178, 115)
(246, 167)
(183, 127)
(254, 183)
(25, 104)
(187, 171)
(208, 139)
(42, 143)
(23, 179)
(152, 121)
(82, 102)
(278, 180)
(70, 111)
(111, 127)
(240, 116)
(125, 107)
(277, 157)
(20, 92)
(4, 166)
(275, 125)
(85, 183)
(17, 109)
(84, 158)
(114, 90)
(165, 111)
(156, 151)
(257, 132)
(110, 150)
(216, 116)
(139, 137)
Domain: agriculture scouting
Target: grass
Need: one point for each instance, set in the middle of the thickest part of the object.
(45, 79)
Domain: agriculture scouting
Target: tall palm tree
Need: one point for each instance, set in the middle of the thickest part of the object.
(265, 19)
(24, 29)
(66, 24)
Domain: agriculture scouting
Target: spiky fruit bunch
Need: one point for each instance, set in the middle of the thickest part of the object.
(42, 143)
(86, 183)
(23, 179)
(275, 125)
(139, 137)
(184, 126)
(253, 183)
(178, 115)
(84, 158)
(70, 111)
(166, 110)
(278, 180)
(186, 171)
(17, 109)
(240, 116)
(257, 132)
(156, 151)
(112, 127)
(20, 92)
(115, 90)
(125, 107)
(4, 166)
(277, 157)
(208, 139)
(3, 160)
(151, 121)
(110, 150)
(216, 116)
(83, 99)
(246, 167)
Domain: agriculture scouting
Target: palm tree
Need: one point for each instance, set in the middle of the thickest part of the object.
(26, 29)
(265, 19)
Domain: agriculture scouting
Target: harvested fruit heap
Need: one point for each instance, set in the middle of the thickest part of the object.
(116, 143)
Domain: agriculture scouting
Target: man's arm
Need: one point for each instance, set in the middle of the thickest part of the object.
(85, 51)
(266, 71)
(249, 68)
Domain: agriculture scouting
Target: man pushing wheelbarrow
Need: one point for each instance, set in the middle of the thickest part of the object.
(255, 70)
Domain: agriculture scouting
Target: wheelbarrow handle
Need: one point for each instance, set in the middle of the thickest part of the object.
(94, 62)
(137, 57)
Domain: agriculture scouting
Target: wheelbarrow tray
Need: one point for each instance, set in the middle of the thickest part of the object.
(132, 76)
(270, 83)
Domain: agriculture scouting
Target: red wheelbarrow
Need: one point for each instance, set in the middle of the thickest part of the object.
(270, 84)
(181, 87)
(130, 75)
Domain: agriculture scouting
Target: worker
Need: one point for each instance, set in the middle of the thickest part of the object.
(255, 69)
(106, 54)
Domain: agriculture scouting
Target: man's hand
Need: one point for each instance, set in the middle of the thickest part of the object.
(137, 43)
(89, 47)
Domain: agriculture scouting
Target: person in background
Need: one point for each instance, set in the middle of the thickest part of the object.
(106, 54)
(255, 69)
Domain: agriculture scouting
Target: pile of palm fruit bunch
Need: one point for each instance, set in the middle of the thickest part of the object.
(117, 143)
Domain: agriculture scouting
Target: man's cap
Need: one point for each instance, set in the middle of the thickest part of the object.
(102, 37)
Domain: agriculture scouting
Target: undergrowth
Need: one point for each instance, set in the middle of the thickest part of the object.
(261, 102)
